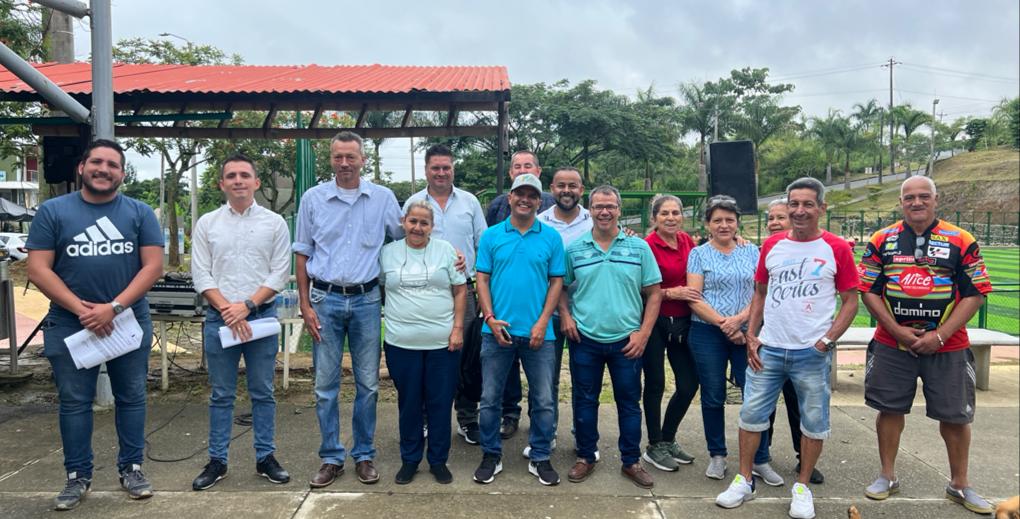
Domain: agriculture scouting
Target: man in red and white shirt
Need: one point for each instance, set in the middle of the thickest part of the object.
(799, 275)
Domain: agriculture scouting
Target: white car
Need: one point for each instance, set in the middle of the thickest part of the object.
(15, 245)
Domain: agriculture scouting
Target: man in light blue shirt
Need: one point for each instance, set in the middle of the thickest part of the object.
(520, 268)
(608, 319)
(459, 219)
(340, 231)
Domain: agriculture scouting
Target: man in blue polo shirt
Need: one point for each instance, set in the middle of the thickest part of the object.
(519, 275)
(608, 324)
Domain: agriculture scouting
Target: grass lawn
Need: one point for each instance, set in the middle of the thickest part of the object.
(1003, 304)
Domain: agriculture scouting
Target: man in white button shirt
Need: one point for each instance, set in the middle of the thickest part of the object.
(459, 219)
(240, 260)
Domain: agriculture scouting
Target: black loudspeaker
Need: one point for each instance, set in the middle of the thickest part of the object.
(60, 158)
(731, 172)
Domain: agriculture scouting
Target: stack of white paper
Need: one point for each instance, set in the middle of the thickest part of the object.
(260, 328)
(89, 350)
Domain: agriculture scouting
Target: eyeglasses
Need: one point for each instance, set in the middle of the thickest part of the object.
(413, 278)
(604, 207)
(919, 247)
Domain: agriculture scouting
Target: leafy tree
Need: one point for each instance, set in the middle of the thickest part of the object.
(975, 130)
(1013, 110)
(699, 113)
(178, 154)
(21, 30)
(762, 117)
(910, 120)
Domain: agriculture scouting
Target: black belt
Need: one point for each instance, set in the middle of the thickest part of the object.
(348, 290)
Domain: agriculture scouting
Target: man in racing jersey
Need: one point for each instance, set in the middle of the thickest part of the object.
(922, 279)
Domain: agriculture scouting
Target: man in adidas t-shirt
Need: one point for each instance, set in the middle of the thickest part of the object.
(800, 273)
(94, 253)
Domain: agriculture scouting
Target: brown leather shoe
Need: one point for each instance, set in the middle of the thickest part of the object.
(580, 471)
(326, 475)
(366, 472)
(638, 475)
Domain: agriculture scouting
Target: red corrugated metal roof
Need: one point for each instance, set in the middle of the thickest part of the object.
(76, 78)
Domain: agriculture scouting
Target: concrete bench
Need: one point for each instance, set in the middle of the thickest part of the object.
(981, 342)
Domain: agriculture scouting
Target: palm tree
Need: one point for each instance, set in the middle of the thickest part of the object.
(760, 119)
(825, 130)
(378, 120)
(868, 116)
(847, 135)
(701, 106)
(910, 119)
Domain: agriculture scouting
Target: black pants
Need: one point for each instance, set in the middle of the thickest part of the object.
(792, 414)
(668, 340)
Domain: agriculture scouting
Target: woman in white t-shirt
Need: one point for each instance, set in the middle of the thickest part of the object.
(424, 315)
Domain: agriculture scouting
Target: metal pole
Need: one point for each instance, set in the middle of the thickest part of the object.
(194, 193)
(931, 158)
(414, 188)
(892, 128)
(71, 7)
(102, 70)
(41, 84)
(7, 314)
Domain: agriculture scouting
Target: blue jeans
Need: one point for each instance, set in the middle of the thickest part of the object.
(77, 390)
(260, 367)
(424, 378)
(538, 367)
(712, 350)
(588, 360)
(356, 318)
(808, 369)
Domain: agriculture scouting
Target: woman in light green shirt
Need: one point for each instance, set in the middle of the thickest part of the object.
(425, 296)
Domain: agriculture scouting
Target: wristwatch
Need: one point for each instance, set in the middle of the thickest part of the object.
(117, 307)
(251, 305)
(829, 343)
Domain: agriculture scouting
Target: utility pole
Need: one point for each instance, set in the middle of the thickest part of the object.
(931, 158)
(892, 122)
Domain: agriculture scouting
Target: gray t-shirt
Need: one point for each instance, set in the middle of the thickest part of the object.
(97, 247)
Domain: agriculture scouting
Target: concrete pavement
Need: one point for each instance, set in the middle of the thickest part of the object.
(31, 467)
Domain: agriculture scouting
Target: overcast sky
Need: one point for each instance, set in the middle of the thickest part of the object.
(965, 53)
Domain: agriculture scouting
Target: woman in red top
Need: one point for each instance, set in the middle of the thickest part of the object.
(670, 245)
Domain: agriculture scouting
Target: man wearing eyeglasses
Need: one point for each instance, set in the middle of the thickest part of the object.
(922, 279)
(520, 274)
(608, 319)
(340, 231)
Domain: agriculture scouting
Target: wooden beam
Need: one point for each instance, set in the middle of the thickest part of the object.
(361, 116)
(407, 117)
(451, 115)
(223, 123)
(184, 108)
(293, 106)
(275, 133)
(316, 115)
(268, 123)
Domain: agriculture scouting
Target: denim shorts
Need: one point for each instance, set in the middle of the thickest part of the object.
(808, 369)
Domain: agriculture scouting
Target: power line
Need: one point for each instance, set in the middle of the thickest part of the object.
(962, 73)
(933, 94)
(825, 72)
(817, 94)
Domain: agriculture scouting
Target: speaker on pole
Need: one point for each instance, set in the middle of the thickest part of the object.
(731, 172)
(60, 158)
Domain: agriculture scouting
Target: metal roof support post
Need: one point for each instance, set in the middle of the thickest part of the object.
(501, 146)
(102, 70)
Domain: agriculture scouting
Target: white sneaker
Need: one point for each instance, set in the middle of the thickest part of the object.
(716, 467)
(740, 490)
(803, 505)
(768, 475)
(527, 450)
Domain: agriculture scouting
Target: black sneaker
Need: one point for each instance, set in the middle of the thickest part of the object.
(817, 478)
(213, 471)
(470, 433)
(441, 473)
(137, 486)
(75, 490)
(487, 470)
(406, 473)
(270, 469)
(508, 427)
(545, 472)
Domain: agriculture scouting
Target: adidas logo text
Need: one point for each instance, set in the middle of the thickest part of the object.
(101, 239)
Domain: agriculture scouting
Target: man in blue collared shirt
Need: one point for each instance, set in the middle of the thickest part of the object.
(520, 268)
(340, 231)
(459, 219)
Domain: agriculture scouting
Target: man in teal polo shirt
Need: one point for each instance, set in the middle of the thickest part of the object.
(519, 276)
(608, 319)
